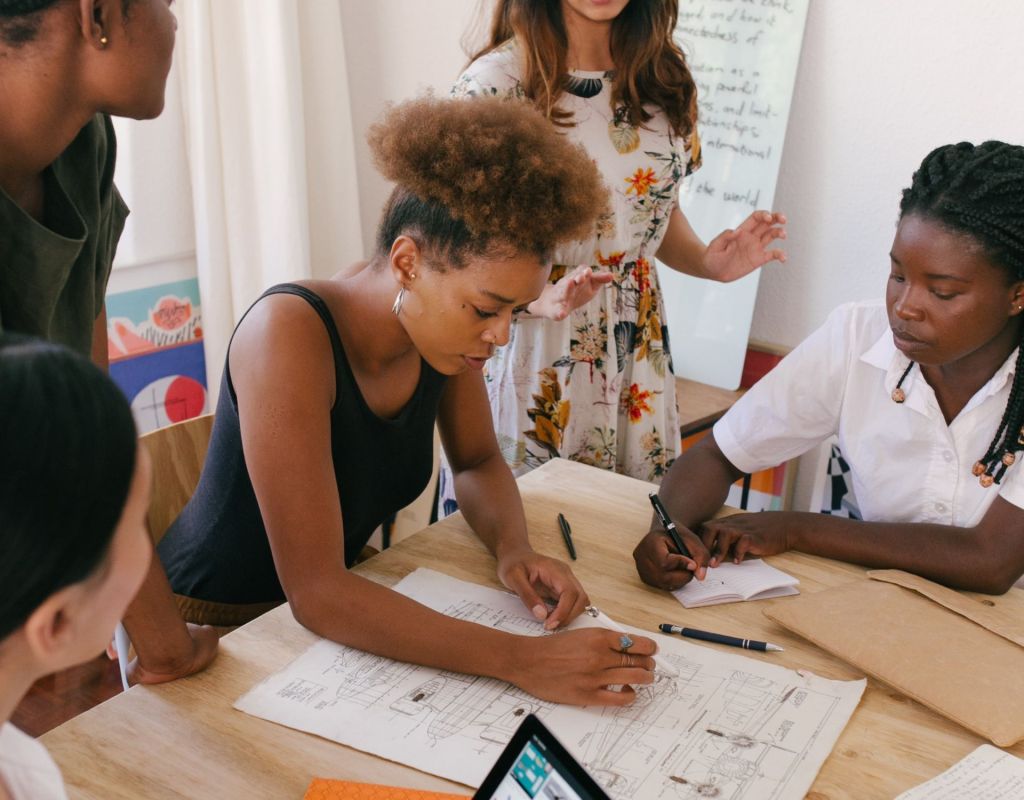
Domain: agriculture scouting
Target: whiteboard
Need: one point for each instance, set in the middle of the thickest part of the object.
(744, 56)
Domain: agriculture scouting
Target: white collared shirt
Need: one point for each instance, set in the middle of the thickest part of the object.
(26, 770)
(907, 464)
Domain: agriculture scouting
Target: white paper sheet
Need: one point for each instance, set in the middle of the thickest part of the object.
(752, 579)
(986, 774)
(749, 729)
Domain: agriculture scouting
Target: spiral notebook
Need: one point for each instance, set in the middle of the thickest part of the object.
(732, 583)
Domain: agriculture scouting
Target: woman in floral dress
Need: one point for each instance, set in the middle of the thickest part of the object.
(587, 374)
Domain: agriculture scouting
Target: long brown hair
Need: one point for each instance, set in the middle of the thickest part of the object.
(650, 68)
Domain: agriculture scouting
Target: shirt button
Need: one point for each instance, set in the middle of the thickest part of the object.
(948, 455)
(940, 507)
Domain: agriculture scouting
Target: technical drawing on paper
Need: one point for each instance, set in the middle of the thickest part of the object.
(726, 726)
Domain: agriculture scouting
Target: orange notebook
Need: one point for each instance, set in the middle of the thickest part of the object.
(323, 789)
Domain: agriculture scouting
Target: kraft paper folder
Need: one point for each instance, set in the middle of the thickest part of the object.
(323, 789)
(962, 657)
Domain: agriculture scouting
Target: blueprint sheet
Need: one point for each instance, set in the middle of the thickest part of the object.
(726, 726)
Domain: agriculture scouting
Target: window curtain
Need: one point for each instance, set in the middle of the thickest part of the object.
(270, 151)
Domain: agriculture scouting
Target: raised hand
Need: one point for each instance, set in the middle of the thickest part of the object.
(575, 289)
(737, 252)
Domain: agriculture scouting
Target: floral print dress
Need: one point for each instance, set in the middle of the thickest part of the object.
(598, 386)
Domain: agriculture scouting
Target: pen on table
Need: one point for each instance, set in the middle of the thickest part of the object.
(668, 524)
(663, 666)
(563, 523)
(719, 638)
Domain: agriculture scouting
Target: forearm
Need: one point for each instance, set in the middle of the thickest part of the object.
(489, 499)
(154, 624)
(357, 612)
(682, 249)
(943, 553)
(696, 486)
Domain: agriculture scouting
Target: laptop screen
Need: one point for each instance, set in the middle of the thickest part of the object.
(536, 765)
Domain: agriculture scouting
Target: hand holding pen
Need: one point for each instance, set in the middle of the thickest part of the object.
(669, 558)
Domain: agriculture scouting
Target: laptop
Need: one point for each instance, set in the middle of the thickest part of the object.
(534, 764)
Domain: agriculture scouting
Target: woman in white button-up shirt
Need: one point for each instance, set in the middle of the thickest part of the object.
(925, 393)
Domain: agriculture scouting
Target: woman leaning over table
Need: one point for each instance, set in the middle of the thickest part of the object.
(332, 388)
(67, 66)
(587, 373)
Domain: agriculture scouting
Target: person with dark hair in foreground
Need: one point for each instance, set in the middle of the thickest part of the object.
(325, 422)
(74, 489)
(66, 66)
(925, 395)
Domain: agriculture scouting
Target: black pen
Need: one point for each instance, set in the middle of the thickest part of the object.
(563, 523)
(719, 638)
(669, 525)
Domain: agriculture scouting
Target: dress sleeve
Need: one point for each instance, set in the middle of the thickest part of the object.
(492, 75)
(795, 406)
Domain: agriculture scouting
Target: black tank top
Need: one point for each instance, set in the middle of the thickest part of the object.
(218, 549)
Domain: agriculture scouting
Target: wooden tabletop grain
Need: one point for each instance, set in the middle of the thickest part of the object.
(184, 739)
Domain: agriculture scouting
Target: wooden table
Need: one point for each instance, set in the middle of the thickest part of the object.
(701, 405)
(184, 740)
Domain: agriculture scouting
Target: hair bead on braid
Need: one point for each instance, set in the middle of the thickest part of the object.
(979, 191)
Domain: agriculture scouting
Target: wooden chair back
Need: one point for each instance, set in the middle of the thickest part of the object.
(177, 452)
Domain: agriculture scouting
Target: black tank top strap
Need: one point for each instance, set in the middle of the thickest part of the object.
(318, 304)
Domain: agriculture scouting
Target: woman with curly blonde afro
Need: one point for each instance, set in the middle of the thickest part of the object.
(332, 388)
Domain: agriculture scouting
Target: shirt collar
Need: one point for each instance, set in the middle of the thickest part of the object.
(884, 355)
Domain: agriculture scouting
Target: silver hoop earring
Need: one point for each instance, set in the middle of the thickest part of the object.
(396, 308)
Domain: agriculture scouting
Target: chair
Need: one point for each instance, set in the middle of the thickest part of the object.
(177, 453)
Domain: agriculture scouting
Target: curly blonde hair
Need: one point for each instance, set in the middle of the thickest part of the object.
(482, 177)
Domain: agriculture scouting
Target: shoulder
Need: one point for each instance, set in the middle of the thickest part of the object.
(93, 150)
(497, 72)
(27, 768)
(282, 339)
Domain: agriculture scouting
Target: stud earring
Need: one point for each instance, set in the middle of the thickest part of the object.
(104, 40)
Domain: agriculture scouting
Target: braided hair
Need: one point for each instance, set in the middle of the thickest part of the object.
(978, 190)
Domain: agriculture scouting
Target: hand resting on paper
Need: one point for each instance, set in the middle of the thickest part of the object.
(539, 580)
(735, 537)
(578, 666)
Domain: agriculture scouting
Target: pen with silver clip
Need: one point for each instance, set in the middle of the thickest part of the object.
(720, 638)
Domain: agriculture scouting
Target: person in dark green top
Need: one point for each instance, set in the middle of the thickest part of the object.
(66, 66)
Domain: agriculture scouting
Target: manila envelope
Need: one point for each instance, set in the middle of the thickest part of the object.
(959, 654)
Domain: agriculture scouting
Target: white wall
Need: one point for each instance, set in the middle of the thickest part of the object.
(396, 49)
(880, 84)
(158, 244)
